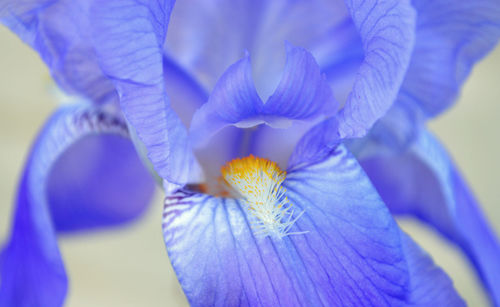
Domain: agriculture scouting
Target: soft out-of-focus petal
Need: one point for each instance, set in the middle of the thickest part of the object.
(128, 38)
(76, 141)
(352, 254)
(451, 37)
(339, 55)
(387, 30)
(99, 181)
(185, 93)
(302, 94)
(200, 39)
(421, 180)
(59, 32)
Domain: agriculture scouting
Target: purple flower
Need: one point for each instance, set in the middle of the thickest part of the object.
(319, 233)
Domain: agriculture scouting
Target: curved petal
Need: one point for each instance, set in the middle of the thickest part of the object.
(316, 144)
(387, 33)
(128, 37)
(422, 181)
(429, 285)
(302, 94)
(451, 37)
(52, 198)
(98, 181)
(233, 100)
(59, 32)
(352, 254)
(200, 39)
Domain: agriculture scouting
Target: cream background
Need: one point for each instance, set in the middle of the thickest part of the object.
(129, 266)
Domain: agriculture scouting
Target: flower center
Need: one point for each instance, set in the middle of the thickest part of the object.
(259, 182)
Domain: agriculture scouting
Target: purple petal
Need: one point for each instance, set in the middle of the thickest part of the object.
(387, 32)
(422, 181)
(185, 93)
(316, 144)
(128, 38)
(233, 100)
(451, 37)
(429, 285)
(352, 254)
(52, 198)
(59, 32)
(207, 37)
(302, 94)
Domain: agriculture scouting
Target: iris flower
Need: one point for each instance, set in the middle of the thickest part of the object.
(282, 131)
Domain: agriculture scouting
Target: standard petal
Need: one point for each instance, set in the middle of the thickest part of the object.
(352, 254)
(233, 100)
(387, 33)
(52, 198)
(128, 37)
(200, 39)
(451, 37)
(421, 180)
(59, 32)
(303, 92)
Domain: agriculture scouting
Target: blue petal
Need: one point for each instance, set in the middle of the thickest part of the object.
(352, 255)
(64, 188)
(387, 32)
(302, 94)
(207, 37)
(233, 99)
(451, 37)
(422, 181)
(316, 144)
(59, 32)
(128, 38)
(185, 93)
(429, 285)
(99, 181)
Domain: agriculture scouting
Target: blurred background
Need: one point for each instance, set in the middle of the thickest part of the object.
(129, 266)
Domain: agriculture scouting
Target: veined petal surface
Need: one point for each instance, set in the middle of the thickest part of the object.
(303, 92)
(353, 253)
(387, 30)
(76, 141)
(128, 37)
(422, 181)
